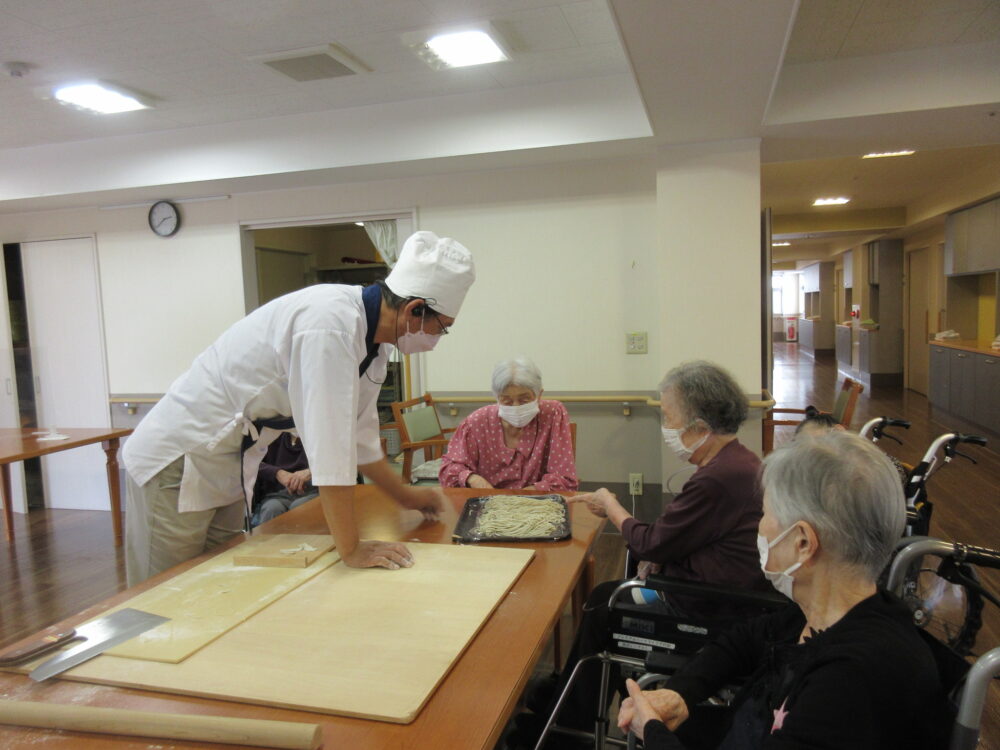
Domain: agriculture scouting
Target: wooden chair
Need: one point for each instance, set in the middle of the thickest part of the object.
(843, 412)
(420, 430)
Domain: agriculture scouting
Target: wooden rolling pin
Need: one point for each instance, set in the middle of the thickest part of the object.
(258, 732)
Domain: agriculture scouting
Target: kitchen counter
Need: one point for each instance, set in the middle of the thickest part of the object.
(976, 346)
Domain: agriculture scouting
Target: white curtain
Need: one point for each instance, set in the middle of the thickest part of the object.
(383, 235)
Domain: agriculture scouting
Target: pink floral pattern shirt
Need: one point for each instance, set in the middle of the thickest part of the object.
(543, 457)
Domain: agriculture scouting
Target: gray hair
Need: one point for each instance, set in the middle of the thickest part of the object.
(519, 371)
(708, 393)
(846, 488)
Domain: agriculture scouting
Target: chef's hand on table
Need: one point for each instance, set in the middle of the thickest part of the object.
(294, 481)
(428, 500)
(597, 502)
(643, 705)
(374, 554)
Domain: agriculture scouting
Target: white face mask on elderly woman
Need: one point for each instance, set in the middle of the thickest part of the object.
(672, 437)
(782, 581)
(520, 414)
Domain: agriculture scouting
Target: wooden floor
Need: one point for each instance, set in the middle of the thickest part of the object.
(63, 561)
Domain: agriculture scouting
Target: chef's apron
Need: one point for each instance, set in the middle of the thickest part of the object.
(258, 434)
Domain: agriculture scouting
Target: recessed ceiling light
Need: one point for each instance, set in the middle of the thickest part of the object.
(882, 154)
(831, 201)
(99, 97)
(462, 48)
(780, 244)
(359, 223)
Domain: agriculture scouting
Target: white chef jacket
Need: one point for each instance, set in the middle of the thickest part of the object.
(296, 356)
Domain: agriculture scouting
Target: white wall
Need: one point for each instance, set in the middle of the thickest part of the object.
(565, 257)
(569, 258)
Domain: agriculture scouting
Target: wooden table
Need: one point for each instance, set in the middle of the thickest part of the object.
(468, 710)
(18, 444)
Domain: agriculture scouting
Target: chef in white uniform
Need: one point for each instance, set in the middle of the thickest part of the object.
(315, 358)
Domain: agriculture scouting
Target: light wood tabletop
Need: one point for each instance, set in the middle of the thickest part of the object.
(468, 710)
(18, 444)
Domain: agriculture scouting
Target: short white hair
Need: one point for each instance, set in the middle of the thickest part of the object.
(519, 371)
(846, 489)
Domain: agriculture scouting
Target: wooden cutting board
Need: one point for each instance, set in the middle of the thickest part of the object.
(210, 599)
(370, 643)
(283, 550)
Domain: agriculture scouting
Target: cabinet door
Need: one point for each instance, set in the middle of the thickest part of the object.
(962, 388)
(844, 345)
(940, 369)
(806, 334)
(988, 391)
(956, 239)
(982, 249)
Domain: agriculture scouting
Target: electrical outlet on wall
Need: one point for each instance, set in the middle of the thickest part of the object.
(635, 484)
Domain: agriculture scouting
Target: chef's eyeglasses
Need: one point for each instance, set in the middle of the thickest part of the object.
(423, 310)
(442, 326)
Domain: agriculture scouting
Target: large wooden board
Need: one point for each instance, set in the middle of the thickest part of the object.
(369, 643)
(210, 599)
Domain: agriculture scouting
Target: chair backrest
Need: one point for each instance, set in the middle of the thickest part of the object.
(572, 436)
(847, 399)
(417, 419)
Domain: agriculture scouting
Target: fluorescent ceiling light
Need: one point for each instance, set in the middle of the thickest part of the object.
(831, 201)
(462, 48)
(99, 98)
(883, 154)
(780, 244)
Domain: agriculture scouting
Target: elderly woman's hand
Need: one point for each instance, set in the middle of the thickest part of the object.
(597, 502)
(477, 482)
(647, 569)
(643, 705)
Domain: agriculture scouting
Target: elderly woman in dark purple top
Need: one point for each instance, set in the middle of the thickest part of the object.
(707, 533)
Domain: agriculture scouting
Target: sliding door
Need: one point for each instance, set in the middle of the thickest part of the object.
(62, 293)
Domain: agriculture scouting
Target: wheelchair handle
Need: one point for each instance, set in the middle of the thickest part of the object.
(970, 709)
(982, 556)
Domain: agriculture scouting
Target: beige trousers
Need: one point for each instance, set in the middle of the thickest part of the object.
(159, 536)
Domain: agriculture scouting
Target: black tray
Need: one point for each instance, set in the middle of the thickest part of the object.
(465, 533)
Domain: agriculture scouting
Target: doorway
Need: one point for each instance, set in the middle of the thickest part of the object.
(918, 281)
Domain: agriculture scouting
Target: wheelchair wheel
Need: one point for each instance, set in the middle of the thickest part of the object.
(946, 609)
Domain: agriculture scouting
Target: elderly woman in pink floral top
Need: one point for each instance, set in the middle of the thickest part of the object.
(521, 442)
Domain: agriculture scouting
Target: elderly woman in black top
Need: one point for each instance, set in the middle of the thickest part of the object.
(844, 669)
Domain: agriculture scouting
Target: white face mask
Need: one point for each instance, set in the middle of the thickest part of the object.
(519, 415)
(415, 343)
(782, 581)
(672, 437)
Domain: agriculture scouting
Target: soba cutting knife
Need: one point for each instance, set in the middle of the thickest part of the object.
(97, 635)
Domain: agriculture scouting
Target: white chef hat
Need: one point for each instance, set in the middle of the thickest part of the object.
(437, 269)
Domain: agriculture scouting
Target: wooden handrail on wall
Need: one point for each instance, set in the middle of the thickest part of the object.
(766, 401)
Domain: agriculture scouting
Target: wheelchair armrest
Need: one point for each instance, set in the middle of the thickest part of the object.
(708, 591)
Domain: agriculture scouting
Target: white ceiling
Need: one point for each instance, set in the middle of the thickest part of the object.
(197, 59)
(818, 81)
(853, 28)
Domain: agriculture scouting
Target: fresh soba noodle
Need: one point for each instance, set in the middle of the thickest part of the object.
(519, 516)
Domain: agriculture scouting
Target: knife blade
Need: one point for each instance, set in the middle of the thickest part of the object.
(98, 636)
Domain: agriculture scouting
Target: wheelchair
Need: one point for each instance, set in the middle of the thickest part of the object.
(643, 639)
(967, 687)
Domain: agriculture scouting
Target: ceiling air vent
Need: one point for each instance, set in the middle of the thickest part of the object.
(314, 63)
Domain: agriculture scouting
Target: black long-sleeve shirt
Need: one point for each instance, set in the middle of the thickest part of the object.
(868, 682)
